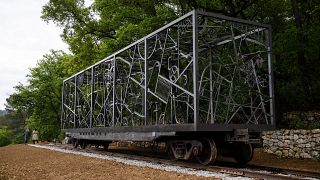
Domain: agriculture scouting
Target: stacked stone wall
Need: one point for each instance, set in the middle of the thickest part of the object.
(293, 143)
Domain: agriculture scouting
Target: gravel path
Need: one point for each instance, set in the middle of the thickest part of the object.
(27, 162)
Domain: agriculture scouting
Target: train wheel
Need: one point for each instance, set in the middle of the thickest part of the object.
(83, 144)
(208, 153)
(171, 154)
(106, 146)
(97, 146)
(243, 153)
(75, 143)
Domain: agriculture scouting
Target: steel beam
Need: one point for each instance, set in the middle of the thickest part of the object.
(271, 79)
(62, 106)
(146, 80)
(114, 91)
(75, 102)
(195, 69)
(91, 97)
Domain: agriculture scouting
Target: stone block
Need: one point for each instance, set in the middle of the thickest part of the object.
(308, 145)
(280, 144)
(305, 155)
(291, 151)
(274, 140)
(313, 144)
(274, 149)
(287, 141)
(296, 131)
(286, 132)
(301, 145)
(315, 131)
(296, 149)
(278, 153)
(290, 154)
(269, 151)
(314, 154)
(300, 141)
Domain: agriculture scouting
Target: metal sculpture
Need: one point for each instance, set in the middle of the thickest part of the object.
(200, 72)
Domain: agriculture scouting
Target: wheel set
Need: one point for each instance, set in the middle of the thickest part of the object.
(85, 143)
(205, 151)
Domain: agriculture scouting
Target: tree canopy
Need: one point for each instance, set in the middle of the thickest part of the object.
(94, 31)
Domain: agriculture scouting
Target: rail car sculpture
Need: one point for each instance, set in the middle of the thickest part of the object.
(202, 84)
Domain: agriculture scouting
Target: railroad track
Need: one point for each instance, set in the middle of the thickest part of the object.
(251, 171)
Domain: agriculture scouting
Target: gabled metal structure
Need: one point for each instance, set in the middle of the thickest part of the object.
(201, 72)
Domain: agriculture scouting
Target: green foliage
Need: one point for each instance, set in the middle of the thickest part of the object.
(61, 136)
(4, 137)
(40, 100)
(299, 123)
(18, 139)
(11, 126)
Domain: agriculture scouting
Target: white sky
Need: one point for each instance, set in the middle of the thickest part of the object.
(24, 39)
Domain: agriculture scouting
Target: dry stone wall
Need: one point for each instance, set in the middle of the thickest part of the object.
(293, 143)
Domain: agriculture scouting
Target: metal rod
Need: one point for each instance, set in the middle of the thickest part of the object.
(91, 97)
(271, 79)
(62, 108)
(211, 88)
(75, 102)
(146, 79)
(195, 68)
(211, 14)
(114, 91)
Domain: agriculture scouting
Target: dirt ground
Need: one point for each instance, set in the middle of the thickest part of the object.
(26, 162)
(261, 158)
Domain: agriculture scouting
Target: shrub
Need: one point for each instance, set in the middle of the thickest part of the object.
(4, 137)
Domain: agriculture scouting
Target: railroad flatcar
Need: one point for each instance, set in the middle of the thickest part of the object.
(202, 84)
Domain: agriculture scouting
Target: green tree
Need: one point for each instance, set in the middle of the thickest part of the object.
(40, 99)
(95, 31)
(4, 137)
(11, 126)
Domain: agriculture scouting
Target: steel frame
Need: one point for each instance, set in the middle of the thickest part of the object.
(201, 72)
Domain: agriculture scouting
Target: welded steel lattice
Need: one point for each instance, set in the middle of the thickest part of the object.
(202, 68)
